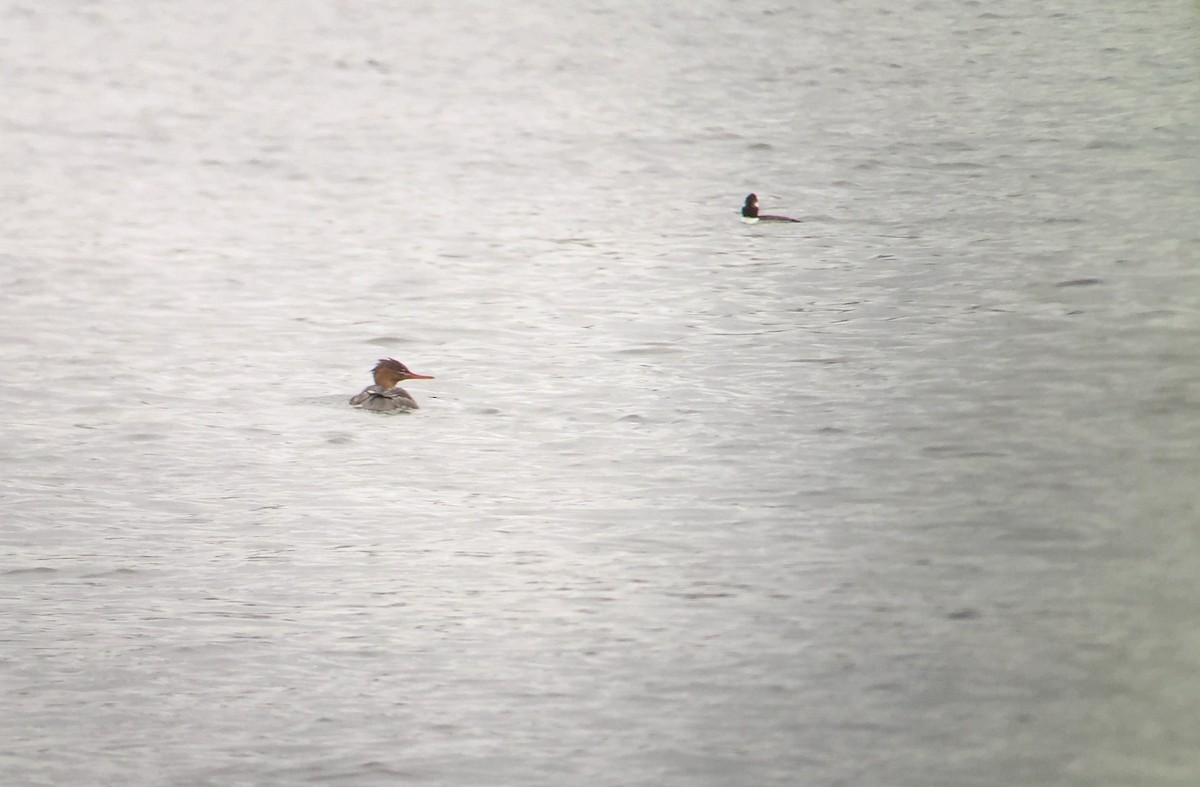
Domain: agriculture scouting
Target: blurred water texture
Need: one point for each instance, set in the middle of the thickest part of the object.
(901, 495)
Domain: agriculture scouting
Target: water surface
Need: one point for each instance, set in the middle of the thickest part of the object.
(901, 495)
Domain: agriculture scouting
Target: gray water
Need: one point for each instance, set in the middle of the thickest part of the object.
(905, 494)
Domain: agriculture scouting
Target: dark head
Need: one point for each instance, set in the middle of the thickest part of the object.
(389, 371)
(750, 208)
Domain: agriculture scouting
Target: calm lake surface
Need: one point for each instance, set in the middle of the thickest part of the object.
(905, 494)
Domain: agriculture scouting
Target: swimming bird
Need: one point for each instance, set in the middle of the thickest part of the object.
(384, 396)
(750, 213)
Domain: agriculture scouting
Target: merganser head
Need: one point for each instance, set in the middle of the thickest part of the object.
(750, 208)
(389, 371)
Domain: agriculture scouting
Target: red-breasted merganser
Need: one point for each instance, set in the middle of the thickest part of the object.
(750, 213)
(384, 396)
